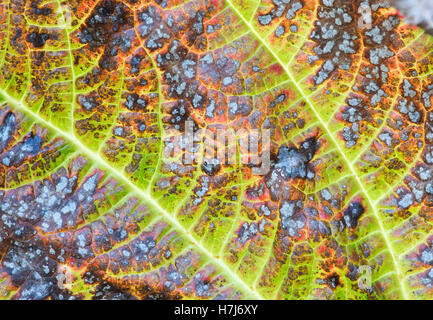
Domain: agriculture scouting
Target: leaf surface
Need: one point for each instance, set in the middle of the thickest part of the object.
(93, 94)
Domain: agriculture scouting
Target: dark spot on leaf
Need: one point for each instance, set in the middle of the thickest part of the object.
(179, 115)
(17, 35)
(291, 163)
(135, 102)
(100, 30)
(107, 291)
(29, 147)
(135, 63)
(44, 11)
(426, 256)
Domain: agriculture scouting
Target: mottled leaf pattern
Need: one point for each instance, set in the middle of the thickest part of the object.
(93, 94)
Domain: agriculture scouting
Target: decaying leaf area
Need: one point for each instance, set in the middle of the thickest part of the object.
(92, 91)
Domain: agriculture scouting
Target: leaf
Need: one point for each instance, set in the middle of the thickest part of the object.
(93, 94)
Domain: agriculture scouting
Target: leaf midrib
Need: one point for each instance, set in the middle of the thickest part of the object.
(146, 197)
(334, 141)
(141, 194)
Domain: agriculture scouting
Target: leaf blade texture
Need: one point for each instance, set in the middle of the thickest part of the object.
(93, 94)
